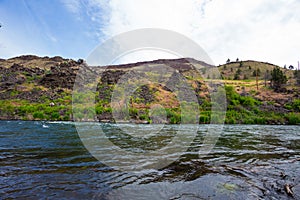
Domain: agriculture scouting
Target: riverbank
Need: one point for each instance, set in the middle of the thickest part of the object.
(35, 88)
(40, 112)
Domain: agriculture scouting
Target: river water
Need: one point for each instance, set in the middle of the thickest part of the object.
(48, 160)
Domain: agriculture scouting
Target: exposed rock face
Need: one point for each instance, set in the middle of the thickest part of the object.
(10, 77)
(62, 75)
(144, 93)
(26, 81)
(111, 76)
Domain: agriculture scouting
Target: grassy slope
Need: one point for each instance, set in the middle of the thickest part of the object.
(34, 99)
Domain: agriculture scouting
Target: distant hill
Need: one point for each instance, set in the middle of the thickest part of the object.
(40, 88)
(248, 70)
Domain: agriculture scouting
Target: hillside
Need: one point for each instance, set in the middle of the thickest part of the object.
(248, 70)
(40, 88)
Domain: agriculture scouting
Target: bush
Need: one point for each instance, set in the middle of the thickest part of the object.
(248, 101)
(296, 105)
(173, 116)
(133, 112)
(235, 99)
(235, 102)
(206, 105)
(55, 116)
(78, 116)
(144, 117)
(66, 118)
(293, 118)
(229, 120)
(230, 92)
(175, 119)
(108, 110)
(38, 115)
(27, 109)
(248, 121)
(99, 109)
(203, 119)
(259, 120)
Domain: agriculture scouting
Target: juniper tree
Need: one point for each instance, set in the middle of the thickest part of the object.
(237, 74)
(277, 78)
(256, 72)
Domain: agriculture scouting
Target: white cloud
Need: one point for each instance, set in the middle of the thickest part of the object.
(265, 30)
(73, 6)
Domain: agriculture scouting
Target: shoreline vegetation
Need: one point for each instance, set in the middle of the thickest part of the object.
(41, 88)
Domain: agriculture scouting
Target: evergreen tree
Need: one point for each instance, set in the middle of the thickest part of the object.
(237, 74)
(241, 64)
(236, 77)
(256, 72)
(277, 78)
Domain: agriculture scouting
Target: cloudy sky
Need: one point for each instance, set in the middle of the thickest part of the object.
(264, 30)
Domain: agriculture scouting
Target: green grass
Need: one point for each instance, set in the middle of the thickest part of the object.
(241, 110)
(23, 109)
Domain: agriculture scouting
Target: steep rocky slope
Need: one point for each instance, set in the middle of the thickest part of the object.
(40, 88)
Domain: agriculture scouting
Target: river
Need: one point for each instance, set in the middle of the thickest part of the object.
(48, 160)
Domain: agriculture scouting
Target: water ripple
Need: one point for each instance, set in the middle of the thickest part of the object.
(48, 160)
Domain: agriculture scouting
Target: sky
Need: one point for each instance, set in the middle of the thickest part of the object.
(262, 30)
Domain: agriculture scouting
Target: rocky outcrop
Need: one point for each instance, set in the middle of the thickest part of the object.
(62, 75)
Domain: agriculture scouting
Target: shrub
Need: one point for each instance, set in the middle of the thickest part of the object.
(235, 102)
(175, 119)
(296, 105)
(133, 112)
(99, 109)
(66, 118)
(206, 105)
(108, 110)
(293, 118)
(144, 117)
(248, 101)
(248, 121)
(173, 116)
(38, 115)
(259, 120)
(55, 116)
(203, 119)
(230, 120)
